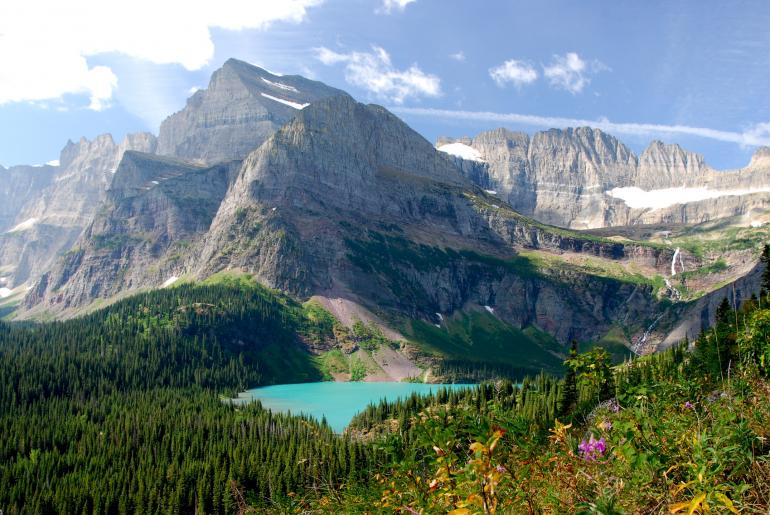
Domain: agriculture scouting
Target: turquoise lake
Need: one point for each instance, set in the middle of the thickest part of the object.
(338, 402)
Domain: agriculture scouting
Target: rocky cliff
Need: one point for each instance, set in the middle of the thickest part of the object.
(583, 178)
(242, 106)
(155, 211)
(50, 220)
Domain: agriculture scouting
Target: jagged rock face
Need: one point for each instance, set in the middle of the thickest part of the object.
(155, 211)
(562, 177)
(337, 160)
(54, 217)
(242, 106)
(665, 166)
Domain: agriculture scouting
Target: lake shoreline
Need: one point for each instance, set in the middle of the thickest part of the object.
(336, 401)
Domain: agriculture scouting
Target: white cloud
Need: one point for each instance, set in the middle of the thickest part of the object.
(458, 56)
(517, 72)
(571, 73)
(374, 72)
(44, 45)
(757, 135)
(759, 132)
(388, 6)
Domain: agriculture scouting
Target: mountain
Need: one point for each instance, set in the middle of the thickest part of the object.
(48, 219)
(584, 178)
(348, 205)
(242, 106)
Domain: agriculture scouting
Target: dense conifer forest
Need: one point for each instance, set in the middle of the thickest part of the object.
(121, 411)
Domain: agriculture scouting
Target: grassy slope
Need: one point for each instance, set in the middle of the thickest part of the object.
(481, 338)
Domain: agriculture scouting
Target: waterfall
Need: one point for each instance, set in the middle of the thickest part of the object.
(637, 347)
(673, 262)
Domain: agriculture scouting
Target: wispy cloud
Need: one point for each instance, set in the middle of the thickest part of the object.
(458, 56)
(570, 72)
(517, 72)
(756, 135)
(388, 6)
(45, 45)
(374, 72)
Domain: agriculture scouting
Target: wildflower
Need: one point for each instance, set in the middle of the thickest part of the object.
(688, 405)
(605, 425)
(592, 449)
(501, 469)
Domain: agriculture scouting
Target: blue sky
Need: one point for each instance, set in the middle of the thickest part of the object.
(694, 73)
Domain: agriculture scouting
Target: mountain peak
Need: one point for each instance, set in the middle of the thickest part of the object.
(242, 107)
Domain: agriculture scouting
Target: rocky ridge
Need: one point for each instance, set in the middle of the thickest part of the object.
(563, 177)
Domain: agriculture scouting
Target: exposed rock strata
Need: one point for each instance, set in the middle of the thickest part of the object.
(562, 177)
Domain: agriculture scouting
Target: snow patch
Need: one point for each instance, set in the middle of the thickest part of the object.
(280, 86)
(637, 198)
(5, 292)
(23, 226)
(53, 162)
(438, 325)
(756, 224)
(491, 192)
(289, 103)
(490, 309)
(171, 280)
(462, 151)
(440, 317)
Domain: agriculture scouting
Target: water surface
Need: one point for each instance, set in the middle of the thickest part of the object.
(338, 402)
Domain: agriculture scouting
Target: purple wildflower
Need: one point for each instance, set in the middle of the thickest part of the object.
(592, 449)
(688, 405)
(501, 469)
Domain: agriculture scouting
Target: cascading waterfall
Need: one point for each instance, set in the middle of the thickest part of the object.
(637, 347)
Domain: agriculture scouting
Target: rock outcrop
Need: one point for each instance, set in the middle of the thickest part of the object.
(583, 178)
(242, 106)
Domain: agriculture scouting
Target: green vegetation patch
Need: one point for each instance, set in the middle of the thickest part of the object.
(481, 339)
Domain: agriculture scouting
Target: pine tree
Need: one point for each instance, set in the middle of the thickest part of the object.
(765, 259)
(568, 394)
(723, 312)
